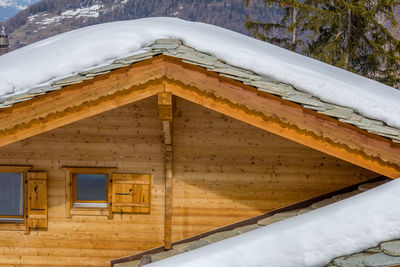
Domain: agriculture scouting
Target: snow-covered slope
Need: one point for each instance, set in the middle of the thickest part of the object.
(9, 8)
(79, 49)
(84, 12)
(35, 23)
(308, 240)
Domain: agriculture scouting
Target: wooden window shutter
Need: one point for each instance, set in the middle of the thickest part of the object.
(131, 193)
(37, 200)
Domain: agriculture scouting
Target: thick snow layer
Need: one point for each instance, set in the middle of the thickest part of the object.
(70, 52)
(310, 239)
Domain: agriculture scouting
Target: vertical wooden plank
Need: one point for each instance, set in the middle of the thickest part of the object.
(131, 193)
(146, 191)
(37, 199)
(109, 195)
(25, 189)
(68, 196)
(165, 103)
(165, 106)
(167, 133)
(168, 197)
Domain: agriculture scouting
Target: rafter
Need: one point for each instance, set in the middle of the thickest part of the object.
(283, 118)
(206, 88)
(80, 101)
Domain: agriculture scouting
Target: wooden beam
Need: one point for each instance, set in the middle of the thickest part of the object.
(292, 132)
(167, 129)
(165, 106)
(165, 115)
(68, 193)
(194, 83)
(168, 197)
(283, 118)
(25, 189)
(80, 101)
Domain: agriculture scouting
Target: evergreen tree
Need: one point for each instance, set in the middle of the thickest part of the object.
(283, 31)
(351, 34)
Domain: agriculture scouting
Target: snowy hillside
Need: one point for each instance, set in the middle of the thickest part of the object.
(83, 12)
(9, 8)
(47, 18)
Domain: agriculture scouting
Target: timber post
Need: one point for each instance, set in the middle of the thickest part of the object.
(165, 115)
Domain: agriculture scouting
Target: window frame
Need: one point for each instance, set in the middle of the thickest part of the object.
(19, 223)
(75, 189)
(71, 208)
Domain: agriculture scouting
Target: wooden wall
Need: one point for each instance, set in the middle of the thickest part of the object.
(128, 138)
(225, 171)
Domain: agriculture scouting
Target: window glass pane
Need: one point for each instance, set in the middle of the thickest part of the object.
(11, 196)
(91, 187)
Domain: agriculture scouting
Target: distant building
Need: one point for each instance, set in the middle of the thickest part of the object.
(3, 42)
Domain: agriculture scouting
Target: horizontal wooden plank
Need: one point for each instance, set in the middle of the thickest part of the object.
(225, 170)
(282, 117)
(118, 181)
(117, 204)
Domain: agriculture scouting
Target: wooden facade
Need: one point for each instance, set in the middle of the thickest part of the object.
(212, 169)
(164, 74)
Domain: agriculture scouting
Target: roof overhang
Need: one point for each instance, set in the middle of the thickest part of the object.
(199, 85)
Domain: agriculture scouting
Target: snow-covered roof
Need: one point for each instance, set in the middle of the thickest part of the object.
(308, 240)
(84, 53)
(379, 255)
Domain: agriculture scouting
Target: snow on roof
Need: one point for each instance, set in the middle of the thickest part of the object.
(310, 239)
(74, 51)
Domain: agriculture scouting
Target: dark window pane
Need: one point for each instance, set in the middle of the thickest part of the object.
(11, 197)
(91, 187)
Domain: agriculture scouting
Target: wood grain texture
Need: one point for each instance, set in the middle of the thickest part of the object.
(226, 171)
(222, 170)
(165, 114)
(37, 199)
(131, 193)
(282, 117)
(233, 98)
(70, 192)
(168, 196)
(80, 101)
(129, 139)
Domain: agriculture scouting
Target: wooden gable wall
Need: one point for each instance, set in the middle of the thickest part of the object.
(128, 138)
(224, 171)
(165, 74)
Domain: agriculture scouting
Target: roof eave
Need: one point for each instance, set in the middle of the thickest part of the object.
(199, 85)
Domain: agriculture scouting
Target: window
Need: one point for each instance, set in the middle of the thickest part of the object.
(23, 198)
(11, 196)
(88, 191)
(100, 191)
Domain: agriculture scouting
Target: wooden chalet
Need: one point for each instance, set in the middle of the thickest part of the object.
(164, 145)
